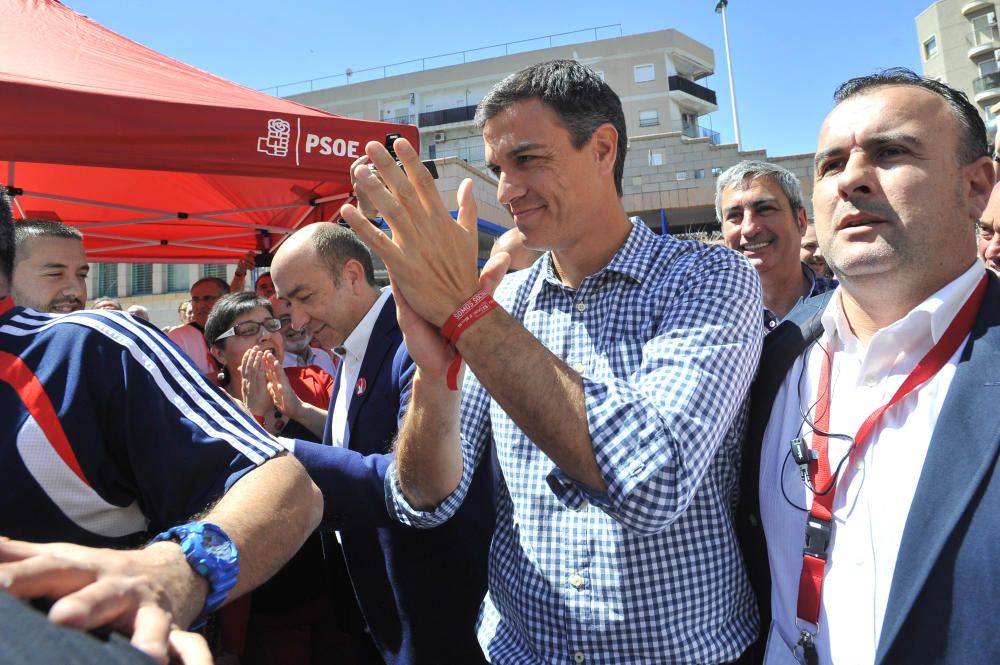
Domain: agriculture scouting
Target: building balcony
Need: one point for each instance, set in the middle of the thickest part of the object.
(446, 116)
(986, 88)
(400, 118)
(975, 6)
(695, 132)
(982, 41)
(692, 95)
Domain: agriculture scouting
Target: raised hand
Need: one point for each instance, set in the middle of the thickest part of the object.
(254, 389)
(431, 257)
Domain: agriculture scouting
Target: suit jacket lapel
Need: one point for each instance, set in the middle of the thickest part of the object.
(328, 427)
(380, 349)
(962, 449)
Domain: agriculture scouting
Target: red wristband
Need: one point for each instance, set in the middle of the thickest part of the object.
(468, 313)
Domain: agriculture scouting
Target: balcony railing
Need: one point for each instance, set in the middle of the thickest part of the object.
(694, 132)
(987, 83)
(446, 116)
(682, 84)
(401, 118)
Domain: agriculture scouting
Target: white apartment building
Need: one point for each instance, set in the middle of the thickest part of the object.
(959, 42)
(670, 169)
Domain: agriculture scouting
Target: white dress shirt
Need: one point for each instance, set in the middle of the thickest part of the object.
(352, 353)
(873, 496)
(316, 357)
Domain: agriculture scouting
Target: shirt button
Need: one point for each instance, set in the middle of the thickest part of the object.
(581, 307)
(576, 580)
(870, 381)
(578, 657)
(579, 369)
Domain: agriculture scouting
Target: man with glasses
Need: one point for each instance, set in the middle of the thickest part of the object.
(191, 336)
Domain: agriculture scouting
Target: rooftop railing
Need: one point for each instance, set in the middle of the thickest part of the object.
(446, 59)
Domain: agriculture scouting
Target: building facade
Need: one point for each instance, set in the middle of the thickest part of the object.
(959, 42)
(670, 169)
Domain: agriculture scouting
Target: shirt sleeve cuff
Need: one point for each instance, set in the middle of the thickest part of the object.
(400, 508)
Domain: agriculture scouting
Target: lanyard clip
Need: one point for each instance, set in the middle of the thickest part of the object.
(817, 537)
(808, 646)
(803, 457)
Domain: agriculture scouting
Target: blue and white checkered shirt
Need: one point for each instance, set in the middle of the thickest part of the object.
(666, 337)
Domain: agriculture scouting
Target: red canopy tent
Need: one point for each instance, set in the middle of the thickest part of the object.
(152, 159)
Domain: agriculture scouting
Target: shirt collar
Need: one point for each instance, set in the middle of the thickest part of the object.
(632, 259)
(356, 343)
(928, 320)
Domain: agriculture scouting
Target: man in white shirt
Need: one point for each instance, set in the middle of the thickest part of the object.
(298, 351)
(899, 559)
(419, 590)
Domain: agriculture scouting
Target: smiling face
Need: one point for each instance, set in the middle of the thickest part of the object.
(229, 351)
(758, 221)
(265, 286)
(549, 187)
(318, 302)
(50, 275)
(890, 197)
(811, 253)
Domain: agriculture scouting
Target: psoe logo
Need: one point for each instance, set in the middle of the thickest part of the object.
(327, 145)
(276, 142)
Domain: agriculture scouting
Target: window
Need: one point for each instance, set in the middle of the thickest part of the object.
(716, 171)
(682, 175)
(699, 174)
(930, 48)
(107, 280)
(655, 158)
(214, 270)
(644, 73)
(177, 277)
(984, 29)
(987, 67)
(649, 118)
(142, 279)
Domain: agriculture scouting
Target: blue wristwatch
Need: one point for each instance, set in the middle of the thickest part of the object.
(213, 555)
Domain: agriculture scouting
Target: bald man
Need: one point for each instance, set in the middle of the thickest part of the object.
(419, 590)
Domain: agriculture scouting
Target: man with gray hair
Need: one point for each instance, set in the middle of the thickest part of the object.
(50, 267)
(763, 216)
(191, 336)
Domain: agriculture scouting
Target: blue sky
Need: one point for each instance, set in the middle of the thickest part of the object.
(787, 56)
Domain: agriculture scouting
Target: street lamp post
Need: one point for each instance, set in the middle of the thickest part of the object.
(720, 8)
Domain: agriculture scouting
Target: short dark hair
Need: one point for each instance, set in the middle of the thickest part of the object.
(218, 281)
(972, 142)
(7, 242)
(575, 92)
(227, 309)
(41, 228)
(336, 245)
(261, 276)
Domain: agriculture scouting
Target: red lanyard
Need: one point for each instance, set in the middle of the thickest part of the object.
(819, 522)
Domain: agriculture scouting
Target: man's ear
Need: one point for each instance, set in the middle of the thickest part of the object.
(803, 221)
(604, 146)
(980, 177)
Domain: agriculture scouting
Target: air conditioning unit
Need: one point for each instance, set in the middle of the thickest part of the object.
(440, 137)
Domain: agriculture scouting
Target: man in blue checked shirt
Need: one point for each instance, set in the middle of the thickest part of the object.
(610, 381)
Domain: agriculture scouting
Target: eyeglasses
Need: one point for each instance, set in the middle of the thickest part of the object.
(250, 328)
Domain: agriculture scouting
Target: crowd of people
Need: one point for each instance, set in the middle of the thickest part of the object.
(605, 446)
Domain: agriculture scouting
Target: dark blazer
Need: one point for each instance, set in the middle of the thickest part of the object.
(944, 598)
(419, 589)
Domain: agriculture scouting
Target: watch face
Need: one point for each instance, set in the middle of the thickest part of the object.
(216, 544)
